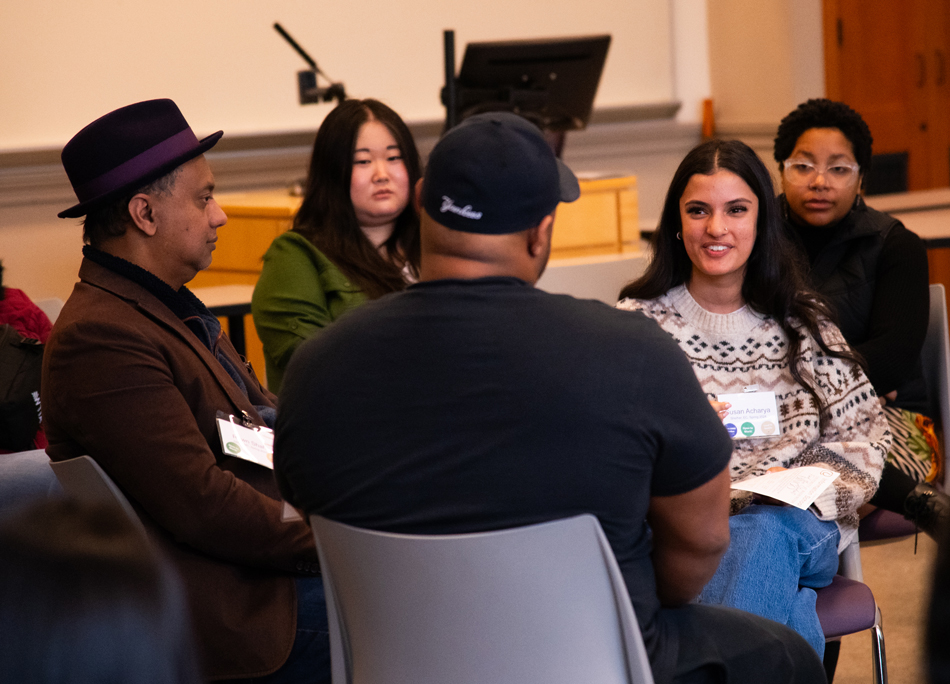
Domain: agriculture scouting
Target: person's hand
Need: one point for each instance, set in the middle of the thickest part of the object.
(721, 408)
(890, 396)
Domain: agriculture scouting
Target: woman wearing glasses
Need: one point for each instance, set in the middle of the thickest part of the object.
(874, 273)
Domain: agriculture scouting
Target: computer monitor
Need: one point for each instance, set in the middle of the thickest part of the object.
(549, 81)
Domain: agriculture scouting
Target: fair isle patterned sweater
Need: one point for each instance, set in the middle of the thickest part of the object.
(731, 351)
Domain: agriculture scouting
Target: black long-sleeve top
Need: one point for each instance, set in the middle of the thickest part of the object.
(874, 272)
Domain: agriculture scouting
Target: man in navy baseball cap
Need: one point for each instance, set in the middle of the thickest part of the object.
(473, 401)
(136, 373)
(488, 199)
(495, 174)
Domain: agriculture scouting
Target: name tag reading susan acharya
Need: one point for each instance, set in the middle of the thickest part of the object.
(752, 414)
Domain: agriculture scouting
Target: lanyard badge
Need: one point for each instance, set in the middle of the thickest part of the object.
(242, 439)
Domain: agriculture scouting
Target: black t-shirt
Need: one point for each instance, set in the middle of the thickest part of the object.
(471, 405)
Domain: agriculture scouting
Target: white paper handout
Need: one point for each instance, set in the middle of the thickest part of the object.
(255, 444)
(796, 486)
(752, 414)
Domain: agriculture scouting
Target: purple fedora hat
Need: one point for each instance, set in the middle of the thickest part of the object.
(126, 149)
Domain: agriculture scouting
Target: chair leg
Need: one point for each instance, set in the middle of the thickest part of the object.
(877, 650)
(830, 661)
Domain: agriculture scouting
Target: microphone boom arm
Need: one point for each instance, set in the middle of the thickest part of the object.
(309, 91)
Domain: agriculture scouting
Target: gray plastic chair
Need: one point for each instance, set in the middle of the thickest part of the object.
(24, 478)
(51, 307)
(935, 359)
(544, 603)
(81, 478)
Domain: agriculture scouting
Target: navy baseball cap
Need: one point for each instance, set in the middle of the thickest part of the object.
(495, 174)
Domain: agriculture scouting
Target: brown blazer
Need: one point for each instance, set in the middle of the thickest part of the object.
(125, 381)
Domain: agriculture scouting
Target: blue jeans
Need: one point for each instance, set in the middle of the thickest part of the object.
(309, 660)
(776, 559)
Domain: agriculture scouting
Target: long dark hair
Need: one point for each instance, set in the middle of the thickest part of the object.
(774, 283)
(326, 216)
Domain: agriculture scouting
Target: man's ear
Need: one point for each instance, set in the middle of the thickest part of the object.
(140, 209)
(539, 237)
(417, 196)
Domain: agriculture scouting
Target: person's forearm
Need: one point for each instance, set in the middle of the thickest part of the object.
(681, 574)
(690, 534)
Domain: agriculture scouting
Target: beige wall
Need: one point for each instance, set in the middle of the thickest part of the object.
(65, 63)
(766, 57)
(40, 252)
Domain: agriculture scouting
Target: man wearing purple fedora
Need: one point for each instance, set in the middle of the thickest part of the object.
(136, 372)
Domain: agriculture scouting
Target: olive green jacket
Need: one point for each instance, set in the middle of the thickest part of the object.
(299, 293)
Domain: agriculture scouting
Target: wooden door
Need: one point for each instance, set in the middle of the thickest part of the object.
(937, 56)
(889, 61)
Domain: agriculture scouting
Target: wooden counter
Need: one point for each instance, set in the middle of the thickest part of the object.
(605, 219)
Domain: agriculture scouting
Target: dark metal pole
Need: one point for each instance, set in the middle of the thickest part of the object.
(300, 51)
(449, 45)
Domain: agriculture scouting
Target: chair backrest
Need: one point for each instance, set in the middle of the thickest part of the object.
(544, 603)
(25, 477)
(51, 307)
(935, 359)
(83, 479)
(847, 606)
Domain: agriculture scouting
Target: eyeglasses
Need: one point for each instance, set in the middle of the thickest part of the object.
(803, 172)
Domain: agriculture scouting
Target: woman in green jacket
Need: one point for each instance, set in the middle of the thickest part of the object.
(355, 237)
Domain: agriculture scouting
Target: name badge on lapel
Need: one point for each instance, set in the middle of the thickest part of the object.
(243, 439)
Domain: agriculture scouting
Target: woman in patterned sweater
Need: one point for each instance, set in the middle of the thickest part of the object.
(723, 282)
